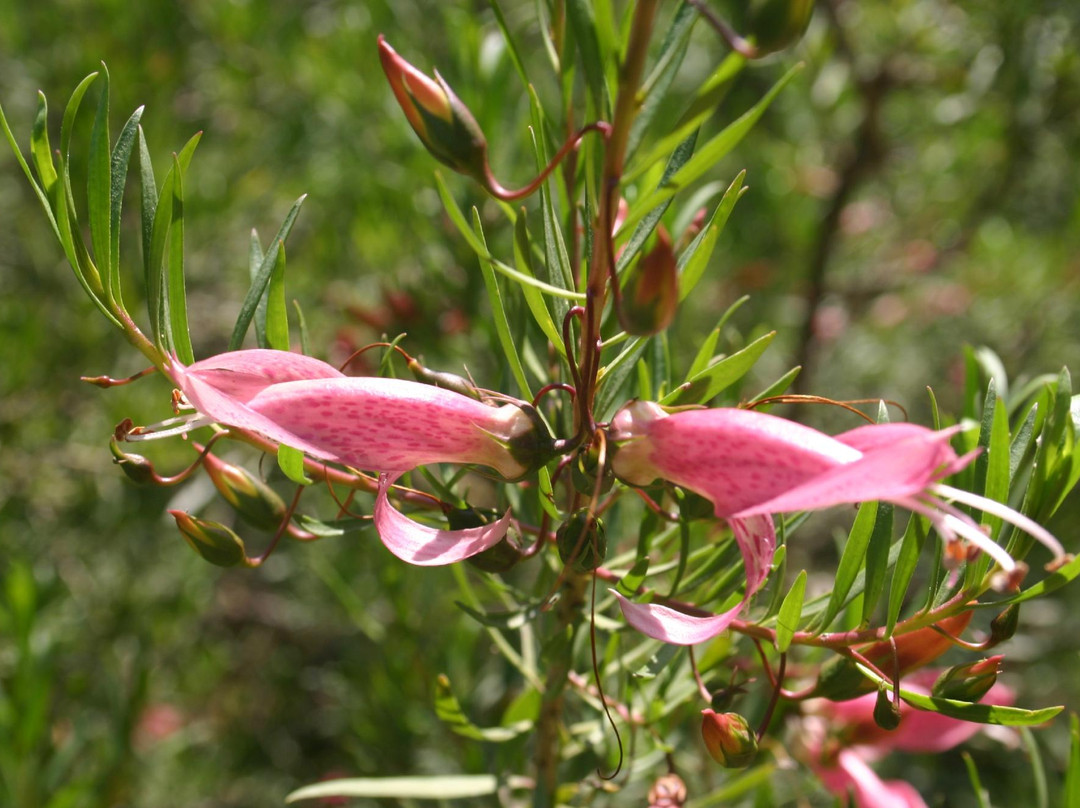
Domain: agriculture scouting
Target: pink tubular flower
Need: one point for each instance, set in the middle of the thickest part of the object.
(751, 465)
(374, 424)
(842, 761)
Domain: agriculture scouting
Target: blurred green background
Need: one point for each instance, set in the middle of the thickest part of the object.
(914, 191)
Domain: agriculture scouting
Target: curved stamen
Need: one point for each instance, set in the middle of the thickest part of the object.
(1004, 512)
(950, 522)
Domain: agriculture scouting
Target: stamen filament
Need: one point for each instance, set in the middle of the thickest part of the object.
(994, 508)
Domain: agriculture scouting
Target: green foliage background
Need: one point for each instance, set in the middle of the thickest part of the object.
(943, 136)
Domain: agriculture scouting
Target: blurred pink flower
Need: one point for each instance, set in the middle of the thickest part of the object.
(843, 739)
(751, 465)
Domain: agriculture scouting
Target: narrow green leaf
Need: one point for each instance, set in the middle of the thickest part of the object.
(437, 787)
(981, 796)
(709, 154)
(449, 711)
(787, 620)
(277, 313)
(40, 152)
(176, 303)
(255, 259)
(99, 187)
(148, 208)
(981, 713)
(1071, 797)
(705, 354)
(695, 258)
(877, 560)
(648, 224)
(1038, 770)
(511, 43)
(301, 327)
(580, 15)
(629, 584)
(716, 378)
(119, 161)
(533, 297)
(71, 110)
(498, 312)
(291, 463)
(672, 51)
(615, 374)
(262, 279)
(1050, 583)
(777, 388)
(910, 549)
(851, 560)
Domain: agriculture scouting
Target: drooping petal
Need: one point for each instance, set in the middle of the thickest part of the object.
(392, 424)
(668, 625)
(428, 546)
(756, 537)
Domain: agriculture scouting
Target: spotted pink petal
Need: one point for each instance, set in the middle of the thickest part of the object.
(891, 472)
(428, 546)
(392, 424)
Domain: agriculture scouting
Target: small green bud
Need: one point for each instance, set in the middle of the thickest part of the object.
(582, 541)
(772, 25)
(213, 541)
(650, 296)
(840, 679)
(967, 682)
(137, 468)
(886, 711)
(1004, 626)
(584, 470)
(729, 739)
(253, 499)
(497, 558)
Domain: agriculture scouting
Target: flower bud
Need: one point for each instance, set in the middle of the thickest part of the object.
(886, 711)
(213, 541)
(967, 682)
(253, 499)
(1004, 625)
(585, 469)
(138, 469)
(582, 541)
(668, 791)
(650, 296)
(772, 25)
(729, 739)
(442, 122)
(497, 558)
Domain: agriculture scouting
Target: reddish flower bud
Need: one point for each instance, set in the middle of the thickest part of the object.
(729, 739)
(442, 122)
(253, 499)
(669, 791)
(213, 541)
(651, 293)
(968, 682)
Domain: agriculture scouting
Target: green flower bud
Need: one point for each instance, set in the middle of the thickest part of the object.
(138, 469)
(253, 499)
(772, 25)
(1004, 625)
(886, 711)
(213, 541)
(729, 739)
(584, 470)
(650, 296)
(967, 682)
(582, 541)
(497, 558)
